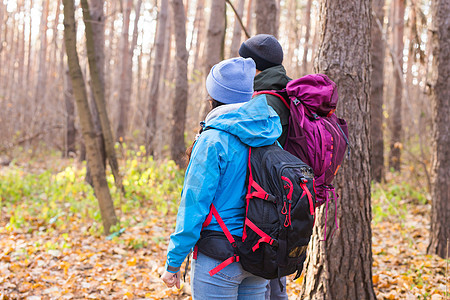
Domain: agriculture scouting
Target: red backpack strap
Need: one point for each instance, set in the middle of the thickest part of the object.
(265, 238)
(235, 258)
(273, 93)
(258, 192)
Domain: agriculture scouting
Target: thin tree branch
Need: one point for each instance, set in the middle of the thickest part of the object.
(239, 19)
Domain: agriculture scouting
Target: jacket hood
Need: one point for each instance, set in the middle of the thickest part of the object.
(254, 123)
(273, 78)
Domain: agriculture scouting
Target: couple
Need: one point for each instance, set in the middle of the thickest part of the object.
(216, 173)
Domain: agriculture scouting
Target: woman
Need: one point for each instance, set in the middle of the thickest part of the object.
(216, 175)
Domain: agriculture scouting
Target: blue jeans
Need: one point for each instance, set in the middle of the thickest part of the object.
(232, 282)
(274, 291)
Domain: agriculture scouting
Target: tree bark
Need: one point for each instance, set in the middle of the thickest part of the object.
(199, 24)
(440, 212)
(99, 98)
(42, 70)
(214, 42)
(376, 92)
(249, 18)
(396, 114)
(12, 53)
(181, 87)
(215, 35)
(54, 55)
(266, 17)
(341, 266)
(290, 61)
(305, 68)
(125, 80)
(71, 132)
(139, 60)
(237, 30)
(150, 122)
(92, 147)
(98, 29)
(29, 48)
(2, 12)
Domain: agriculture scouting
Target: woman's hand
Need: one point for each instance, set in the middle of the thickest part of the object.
(171, 279)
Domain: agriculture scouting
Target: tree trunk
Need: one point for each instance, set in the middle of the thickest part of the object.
(249, 18)
(98, 28)
(92, 147)
(376, 92)
(12, 53)
(99, 97)
(199, 23)
(166, 89)
(215, 35)
(181, 87)
(29, 48)
(23, 94)
(341, 267)
(2, 11)
(137, 97)
(125, 80)
(266, 17)
(440, 212)
(150, 122)
(110, 58)
(55, 52)
(42, 70)
(214, 42)
(396, 114)
(4, 50)
(305, 68)
(290, 61)
(237, 30)
(71, 132)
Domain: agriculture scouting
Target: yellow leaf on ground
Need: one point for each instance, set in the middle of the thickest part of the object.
(132, 262)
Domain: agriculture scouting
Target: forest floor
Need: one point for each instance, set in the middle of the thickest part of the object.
(50, 260)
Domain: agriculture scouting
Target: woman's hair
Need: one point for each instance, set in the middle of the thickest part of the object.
(213, 104)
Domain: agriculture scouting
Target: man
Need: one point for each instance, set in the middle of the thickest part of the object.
(267, 53)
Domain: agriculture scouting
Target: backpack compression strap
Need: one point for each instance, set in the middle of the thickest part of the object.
(273, 93)
(259, 191)
(265, 238)
(261, 194)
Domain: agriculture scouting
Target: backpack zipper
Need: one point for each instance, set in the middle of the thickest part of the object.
(288, 202)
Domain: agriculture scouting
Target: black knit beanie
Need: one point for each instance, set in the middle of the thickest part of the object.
(264, 49)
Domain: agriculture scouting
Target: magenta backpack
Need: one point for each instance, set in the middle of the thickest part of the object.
(315, 134)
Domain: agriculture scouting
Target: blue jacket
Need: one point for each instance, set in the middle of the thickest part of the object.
(217, 172)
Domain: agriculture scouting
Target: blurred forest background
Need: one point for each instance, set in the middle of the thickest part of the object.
(120, 84)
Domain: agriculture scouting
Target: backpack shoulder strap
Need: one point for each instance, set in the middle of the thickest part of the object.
(273, 93)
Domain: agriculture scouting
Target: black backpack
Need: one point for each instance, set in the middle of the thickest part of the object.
(279, 217)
